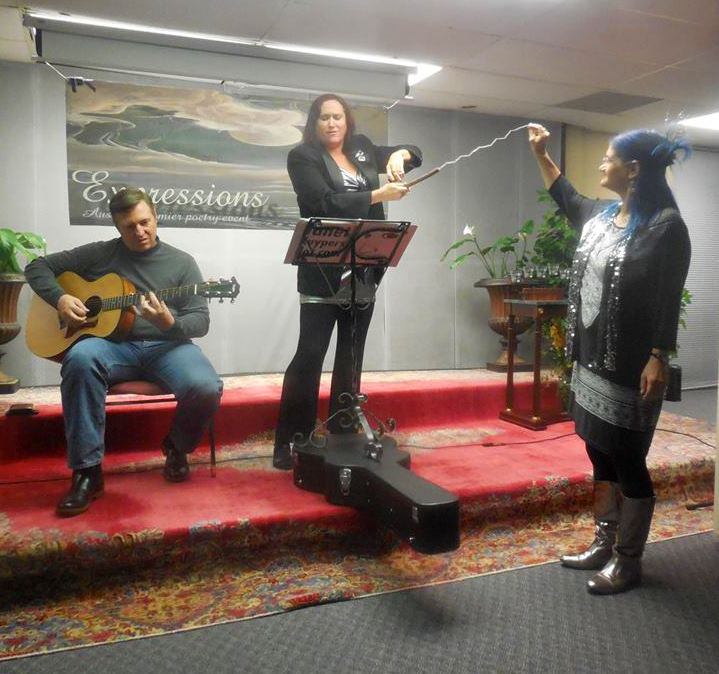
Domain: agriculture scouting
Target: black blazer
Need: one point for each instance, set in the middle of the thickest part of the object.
(321, 192)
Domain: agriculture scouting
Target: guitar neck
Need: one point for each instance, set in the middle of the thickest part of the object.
(133, 299)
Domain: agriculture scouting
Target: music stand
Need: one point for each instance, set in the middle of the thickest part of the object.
(354, 243)
(367, 470)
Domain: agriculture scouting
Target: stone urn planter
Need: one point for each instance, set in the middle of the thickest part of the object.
(10, 287)
(501, 289)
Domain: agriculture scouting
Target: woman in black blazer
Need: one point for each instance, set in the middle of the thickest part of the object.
(334, 173)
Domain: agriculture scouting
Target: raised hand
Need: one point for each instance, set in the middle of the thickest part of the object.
(538, 137)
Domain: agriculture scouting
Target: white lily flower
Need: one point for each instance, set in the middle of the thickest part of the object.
(468, 231)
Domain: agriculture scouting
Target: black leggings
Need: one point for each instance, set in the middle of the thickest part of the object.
(627, 465)
(300, 389)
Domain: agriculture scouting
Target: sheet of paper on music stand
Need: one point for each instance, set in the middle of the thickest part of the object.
(378, 242)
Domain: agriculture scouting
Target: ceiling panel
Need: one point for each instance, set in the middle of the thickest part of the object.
(556, 64)
(594, 26)
(698, 11)
(590, 120)
(677, 84)
(243, 18)
(456, 80)
(707, 61)
(494, 17)
(478, 103)
(387, 36)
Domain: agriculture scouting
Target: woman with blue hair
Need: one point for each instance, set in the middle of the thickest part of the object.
(624, 299)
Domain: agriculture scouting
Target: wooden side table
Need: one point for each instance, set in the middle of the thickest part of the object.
(539, 310)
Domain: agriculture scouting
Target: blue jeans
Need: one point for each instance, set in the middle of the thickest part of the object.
(94, 364)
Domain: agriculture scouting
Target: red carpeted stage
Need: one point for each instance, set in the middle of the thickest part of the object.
(448, 420)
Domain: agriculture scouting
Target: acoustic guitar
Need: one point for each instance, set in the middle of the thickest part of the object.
(109, 300)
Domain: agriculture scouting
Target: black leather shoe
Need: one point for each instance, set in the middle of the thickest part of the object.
(177, 469)
(87, 485)
(282, 458)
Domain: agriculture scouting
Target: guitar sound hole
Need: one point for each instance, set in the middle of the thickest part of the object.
(94, 305)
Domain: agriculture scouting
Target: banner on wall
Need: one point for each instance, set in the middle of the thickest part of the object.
(208, 159)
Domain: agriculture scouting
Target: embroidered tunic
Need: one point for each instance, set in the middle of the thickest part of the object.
(624, 300)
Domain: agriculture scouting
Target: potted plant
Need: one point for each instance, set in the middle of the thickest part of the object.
(497, 257)
(12, 244)
(500, 260)
(552, 253)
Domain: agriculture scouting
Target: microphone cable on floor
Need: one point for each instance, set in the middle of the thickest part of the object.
(531, 442)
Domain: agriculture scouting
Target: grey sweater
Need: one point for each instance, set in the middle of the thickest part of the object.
(156, 269)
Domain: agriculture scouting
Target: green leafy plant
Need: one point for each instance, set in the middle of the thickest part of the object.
(553, 246)
(499, 258)
(556, 240)
(14, 243)
(685, 301)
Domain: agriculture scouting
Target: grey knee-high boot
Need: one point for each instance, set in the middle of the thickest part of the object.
(606, 521)
(624, 569)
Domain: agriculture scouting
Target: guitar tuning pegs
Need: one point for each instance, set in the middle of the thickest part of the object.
(222, 300)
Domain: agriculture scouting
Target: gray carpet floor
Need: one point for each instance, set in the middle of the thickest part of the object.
(538, 619)
(697, 403)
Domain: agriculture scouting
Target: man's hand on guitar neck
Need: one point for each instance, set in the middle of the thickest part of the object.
(155, 311)
(71, 310)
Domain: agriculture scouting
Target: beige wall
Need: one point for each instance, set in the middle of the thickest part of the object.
(584, 150)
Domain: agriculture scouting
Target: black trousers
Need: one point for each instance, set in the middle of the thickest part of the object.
(626, 464)
(300, 389)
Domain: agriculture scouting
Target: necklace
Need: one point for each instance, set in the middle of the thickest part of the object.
(619, 223)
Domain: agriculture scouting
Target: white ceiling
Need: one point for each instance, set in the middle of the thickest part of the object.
(516, 57)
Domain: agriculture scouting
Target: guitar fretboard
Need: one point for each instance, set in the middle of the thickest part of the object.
(133, 299)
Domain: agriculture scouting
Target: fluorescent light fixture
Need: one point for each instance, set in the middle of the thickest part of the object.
(422, 70)
(136, 27)
(704, 122)
(336, 53)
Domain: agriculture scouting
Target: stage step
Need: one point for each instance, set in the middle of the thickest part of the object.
(448, 422)
(33, 446)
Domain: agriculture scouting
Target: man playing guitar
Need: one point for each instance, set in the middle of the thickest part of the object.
(156, 345)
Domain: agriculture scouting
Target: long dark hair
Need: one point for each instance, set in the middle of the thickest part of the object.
(650, 192)
(309, 135)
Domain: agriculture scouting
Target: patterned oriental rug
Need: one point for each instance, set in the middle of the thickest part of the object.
(150, 558)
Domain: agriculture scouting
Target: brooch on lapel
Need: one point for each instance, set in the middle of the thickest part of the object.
(360, 155)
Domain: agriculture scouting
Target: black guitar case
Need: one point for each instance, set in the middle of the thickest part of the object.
(419, 511)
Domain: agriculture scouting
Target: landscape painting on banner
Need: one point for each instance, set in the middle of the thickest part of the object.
(209, 159)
